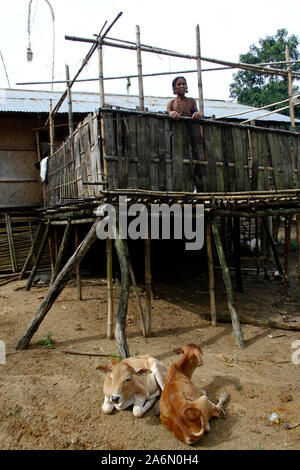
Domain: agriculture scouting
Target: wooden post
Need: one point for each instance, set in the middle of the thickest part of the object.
(11, 243)
(31, 251)
(211, 273)
(237, 255)
(298, 246)
(110, 298)
(139, 67)
(227, 281)
(58, 286)
(78, 276)
(61, 251)
(290, 80)
(39, 255)
(101, 80)
(199, 74)
(123, 297)
(148, 287)
(287, 249)
(257, 246)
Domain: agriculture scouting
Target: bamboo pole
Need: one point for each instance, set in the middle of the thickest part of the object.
(61, 251)
(237, 255)
(227, 281)
(133, 280)
(211, 273)
(199, 75)
(31, 251)
(290, 82)
(148, 287)
(120, 334)
(110, 298)
(69, 94)
(58, 286)
(287, 249)
(11, 243)
(139, 67)
(298, 246)
(39, 255)
(100, 77)
(77, 269)
(273, 246)
(51, 129)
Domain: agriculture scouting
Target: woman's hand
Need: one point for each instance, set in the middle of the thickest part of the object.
(196, 115)
(174, 115)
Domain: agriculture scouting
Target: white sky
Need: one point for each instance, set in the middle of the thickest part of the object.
(227, 29)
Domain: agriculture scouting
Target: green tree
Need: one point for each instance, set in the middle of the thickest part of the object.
(256, 89)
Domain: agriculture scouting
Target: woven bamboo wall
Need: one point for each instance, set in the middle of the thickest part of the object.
(155, 153)
(150, 152)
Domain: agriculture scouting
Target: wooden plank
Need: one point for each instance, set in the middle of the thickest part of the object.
(169, 159)
(276, 160)
(162, 141)
(143, 163)
(188, 170)
(240, 141)
(111, 156)
(199, 158)
(132, 151)
(177, 154)
(211, 158)
(153, 154)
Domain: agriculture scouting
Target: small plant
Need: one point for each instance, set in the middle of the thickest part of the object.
(47, 342)
(116, 356)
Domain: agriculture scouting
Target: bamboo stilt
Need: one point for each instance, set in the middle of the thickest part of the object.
(58, 286)
(290, 81)
(273, 246)
(120, 334)
(61, 251)
(148, 286)
(287, 249)
(31, 251)
(227, 281)
(38, 258)
(237, 256)
(11, 243)
(298, 246)
(211, 274)
(133, 280)
(78, 276)
(110, 298)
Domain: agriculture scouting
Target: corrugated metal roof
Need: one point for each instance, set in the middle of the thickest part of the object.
(30, 101)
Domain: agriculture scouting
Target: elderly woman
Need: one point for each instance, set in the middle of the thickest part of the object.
(181, 105)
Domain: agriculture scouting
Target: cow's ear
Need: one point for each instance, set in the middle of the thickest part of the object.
(104, 368)
(143, 372)
(178, 350)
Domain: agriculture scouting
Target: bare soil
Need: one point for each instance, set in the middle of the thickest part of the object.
(50, 399)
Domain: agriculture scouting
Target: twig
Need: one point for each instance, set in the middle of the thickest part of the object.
(83, 353)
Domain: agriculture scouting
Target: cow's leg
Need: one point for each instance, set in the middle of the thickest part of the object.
(107, 406)
(141, 406)
(124, 405)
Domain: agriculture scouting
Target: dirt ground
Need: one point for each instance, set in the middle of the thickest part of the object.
(50, 399)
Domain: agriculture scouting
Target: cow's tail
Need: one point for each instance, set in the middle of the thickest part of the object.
(194, 415)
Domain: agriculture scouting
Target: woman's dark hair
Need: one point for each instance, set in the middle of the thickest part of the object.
(175, 80)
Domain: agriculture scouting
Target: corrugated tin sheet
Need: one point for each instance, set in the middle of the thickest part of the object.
(30, 101)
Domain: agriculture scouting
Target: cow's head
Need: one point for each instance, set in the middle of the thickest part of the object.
(119, 380)
(192, 354)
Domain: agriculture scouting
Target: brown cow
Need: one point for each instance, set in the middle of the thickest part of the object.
(136, 381)
(184, 410)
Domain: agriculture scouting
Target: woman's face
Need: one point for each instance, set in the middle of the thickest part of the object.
(180, 87)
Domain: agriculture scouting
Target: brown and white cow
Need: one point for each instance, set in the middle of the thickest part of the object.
(184, 410)
(136, 381)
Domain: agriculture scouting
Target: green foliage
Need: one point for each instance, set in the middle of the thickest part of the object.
(256, 89)
(47, 342)
(116, 356)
